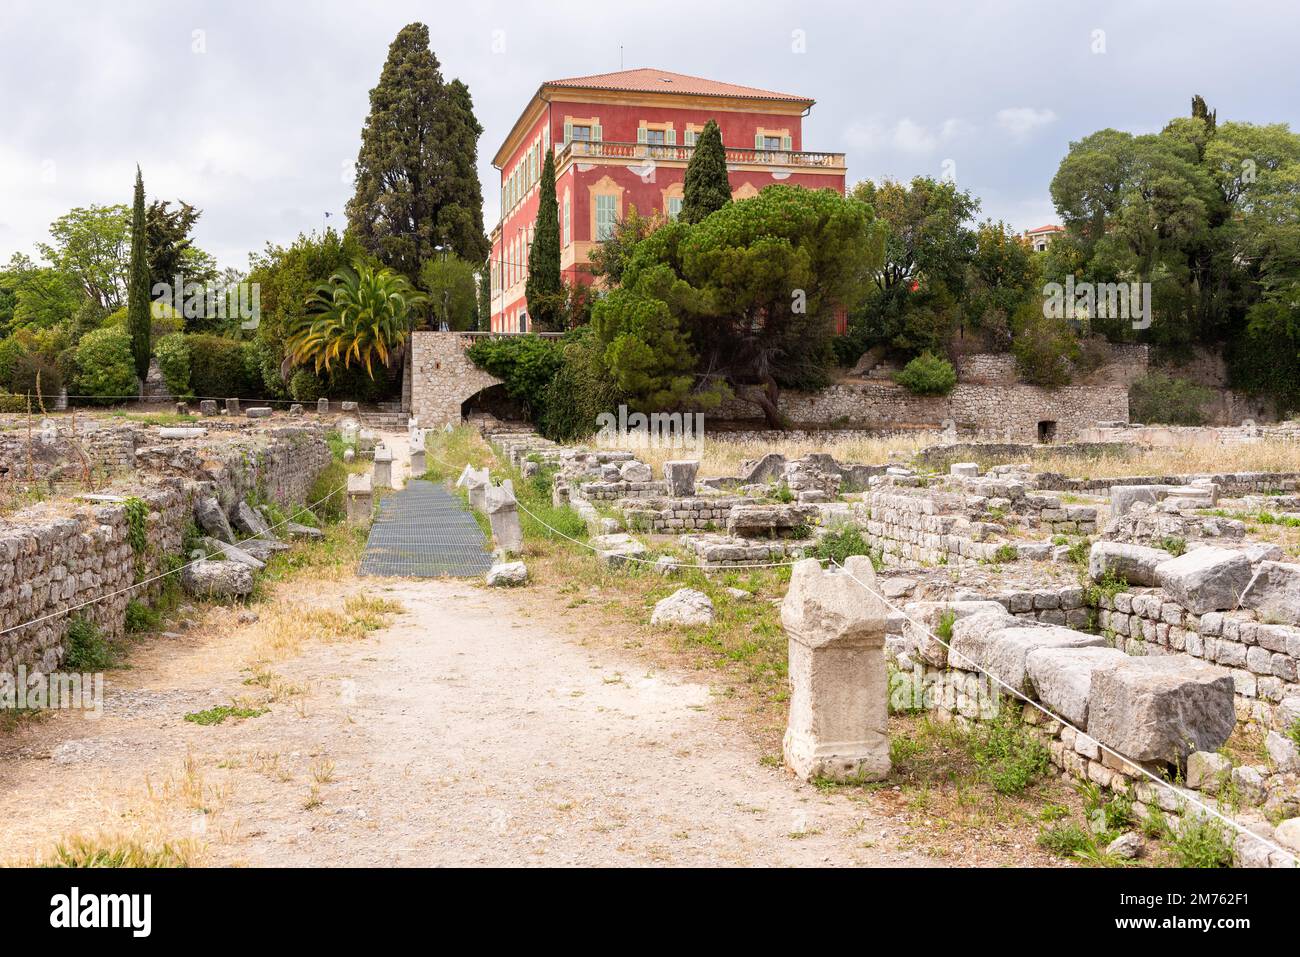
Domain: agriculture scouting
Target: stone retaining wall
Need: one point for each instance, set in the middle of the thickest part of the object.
(55, 557)
(1013, 411)
(679, 514)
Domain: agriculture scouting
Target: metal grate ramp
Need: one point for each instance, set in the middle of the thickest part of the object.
(424, 531)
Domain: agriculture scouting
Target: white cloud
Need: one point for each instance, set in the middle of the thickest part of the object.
(1020, 121)
(904, 136)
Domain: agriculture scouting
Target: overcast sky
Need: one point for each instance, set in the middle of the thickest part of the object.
(255, 119)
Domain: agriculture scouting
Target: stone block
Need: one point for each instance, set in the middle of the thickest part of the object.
(964, 469)
(232, 407)
(360, 499)
(836, 623)
(1205, 579)
(383, 468)
(503, 515)
(1062, 678)
(1135, 564)
(1274, 592)
(684, 607)
(217, 579)
(322, 405)
(1162, 708)
(991, 644)
(208, 406)
(925, 617)
(507, 574)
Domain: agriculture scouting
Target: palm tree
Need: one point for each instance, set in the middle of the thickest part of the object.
(360, 314)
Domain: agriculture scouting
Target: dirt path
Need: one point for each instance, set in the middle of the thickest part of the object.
(463, 733)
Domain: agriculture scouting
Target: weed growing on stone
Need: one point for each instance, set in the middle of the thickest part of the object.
(1009, 756)
(1201, 841)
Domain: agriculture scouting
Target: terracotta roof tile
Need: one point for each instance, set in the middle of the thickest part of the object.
(650, 80)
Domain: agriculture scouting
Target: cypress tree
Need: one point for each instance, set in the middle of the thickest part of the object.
(706, 188)
(138, 318)
(485, 298)
(416, 174)
(460, 219)
(544, 289)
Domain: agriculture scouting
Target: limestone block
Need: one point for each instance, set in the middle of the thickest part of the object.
(217, 579)
(245, 518)
(360, 498)
(232, 407)
(418, 464)
(685, 607)
(1274, 592)
(838, 682)
(476, 482)
(383, 468)
(322, 405)
(503, 515)
(1124, 497)
(181, 432)
(988, 642)
(234, 553)
(1135, 564)
(1062, 678)
(680, 477)
(964, 469)
(635, 471)
(507, 574)
(1161, 708)
(211, 518)
(1205, 579)
(923, 621)
(616, 550)
(208, 406)
(1207, 771)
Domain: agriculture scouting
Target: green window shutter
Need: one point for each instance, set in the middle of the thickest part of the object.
(597, 132)
(568, 133)
(758, 141)
(785, 143)
(672, 137)
(640, 134)
(690, 137)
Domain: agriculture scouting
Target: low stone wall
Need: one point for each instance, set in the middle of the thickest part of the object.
(679, 514)
(56, 452)
(55, 557)
(1013, 411)
(613, 491)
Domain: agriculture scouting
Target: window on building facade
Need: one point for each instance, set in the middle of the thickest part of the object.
(606, 214)
(568, 228)
(674, 206)
(523, 321)
(690, 137)
(655, 137)
(580, 133)
(771, 142)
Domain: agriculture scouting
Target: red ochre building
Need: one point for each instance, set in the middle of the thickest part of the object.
(624, 139)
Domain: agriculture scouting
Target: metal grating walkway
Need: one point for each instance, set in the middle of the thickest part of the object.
(424, 531)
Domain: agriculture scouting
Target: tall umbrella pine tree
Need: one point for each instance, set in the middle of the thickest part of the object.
(416, 176)
(544, 289)
(138, 319)
(706, 188)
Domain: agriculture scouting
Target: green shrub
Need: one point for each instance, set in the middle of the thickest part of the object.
(11, 351)
(1009, 756)
(580, 390)
(174, 362)
(107, 369)
(1201, 841)
(12, 403)
(223, 368)
(34, 376)
(1045, 349)
(329, 507)
(838, 544)
(1157, 397)
(1065, 839)
(85, 648)
(306, 386)
(140, 617)
(928, 374)
(526, 364)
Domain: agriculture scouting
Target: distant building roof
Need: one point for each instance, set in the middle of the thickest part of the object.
(1050, 228)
